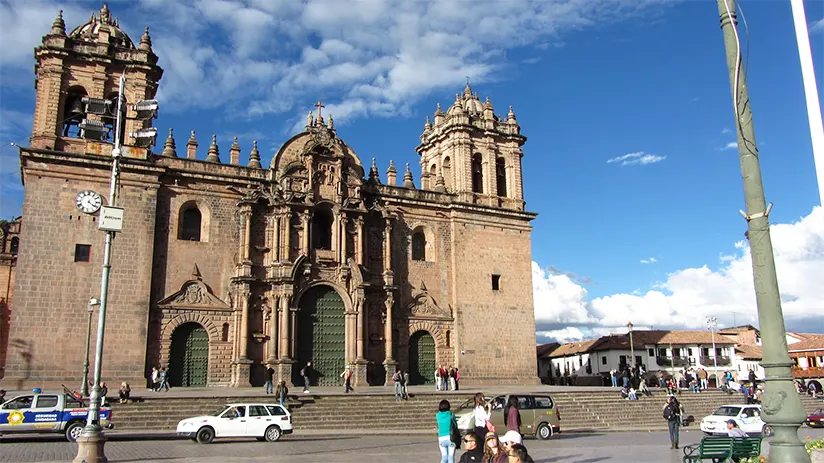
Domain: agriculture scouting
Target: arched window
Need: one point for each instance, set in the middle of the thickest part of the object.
(190, 224)
(74, 111)
(14, 245)
(418, 245)
(322, 229)
(477, 174)
(447, 174)
(500, 176)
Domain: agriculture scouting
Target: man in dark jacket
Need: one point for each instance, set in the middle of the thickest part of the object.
(474, 451)
(306, 372)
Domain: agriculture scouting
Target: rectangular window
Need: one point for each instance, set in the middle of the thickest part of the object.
(496, 282)
(603, 360)
(690, 352)
(651, 352)
(82, 252)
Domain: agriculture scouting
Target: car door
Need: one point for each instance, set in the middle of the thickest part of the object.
(259, 420)
(45, 411)
(16, 415)
(279, 416)
(526, 408)
(750, 421)
(544, 409)
(232, 422)
(497, 418)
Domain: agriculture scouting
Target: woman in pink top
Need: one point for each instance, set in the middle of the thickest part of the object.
(512, 417)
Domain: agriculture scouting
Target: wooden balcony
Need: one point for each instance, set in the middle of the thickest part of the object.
(677, 361)
(810, 372)
(719, 360)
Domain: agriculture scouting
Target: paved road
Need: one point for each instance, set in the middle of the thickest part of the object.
(612, 447)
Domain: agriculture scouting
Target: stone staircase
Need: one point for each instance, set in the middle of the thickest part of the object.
(597, 410)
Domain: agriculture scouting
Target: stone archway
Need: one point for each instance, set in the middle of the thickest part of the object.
(189, 356)
(321, 336)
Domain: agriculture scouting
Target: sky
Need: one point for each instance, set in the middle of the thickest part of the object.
(631, 161)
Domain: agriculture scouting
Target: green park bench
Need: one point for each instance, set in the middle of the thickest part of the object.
(723, 449)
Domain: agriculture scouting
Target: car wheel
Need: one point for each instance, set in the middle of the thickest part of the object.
(766, 431)
(544, 431)
(272, 434)
(205, 435)
(73, 431)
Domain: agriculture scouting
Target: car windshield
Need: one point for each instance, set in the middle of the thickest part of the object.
(218, 412)
(819, 412)
(727, 411)
(468, 404)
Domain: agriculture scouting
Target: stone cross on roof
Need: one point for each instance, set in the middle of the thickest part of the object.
(320, 106)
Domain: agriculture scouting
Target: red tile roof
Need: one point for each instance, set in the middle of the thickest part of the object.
(810, 342)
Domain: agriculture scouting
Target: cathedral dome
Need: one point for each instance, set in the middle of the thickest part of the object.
(473, 105)
(103, 22)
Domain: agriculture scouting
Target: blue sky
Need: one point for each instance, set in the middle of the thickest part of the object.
(589, 82)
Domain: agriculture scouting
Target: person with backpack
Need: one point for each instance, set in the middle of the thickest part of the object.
(449, 437)
(282, 392)
(672, 413)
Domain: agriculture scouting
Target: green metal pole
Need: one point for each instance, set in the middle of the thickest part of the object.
(780, 404)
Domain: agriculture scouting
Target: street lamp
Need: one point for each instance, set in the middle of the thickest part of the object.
(631, 347)
(84, 386)
(712, 322)
(91, 440)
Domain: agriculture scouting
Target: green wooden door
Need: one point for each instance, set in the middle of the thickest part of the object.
(321, 336)
(421, 358)
(189, 358)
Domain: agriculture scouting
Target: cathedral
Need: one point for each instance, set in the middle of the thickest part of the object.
(224, 270)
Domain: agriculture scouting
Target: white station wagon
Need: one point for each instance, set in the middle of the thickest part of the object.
(264, 421)
(748, 418)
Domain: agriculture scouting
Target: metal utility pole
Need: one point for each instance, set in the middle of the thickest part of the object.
(92, 439)
(712, 322)
(780, 402)
(84, 387)
(810, 91)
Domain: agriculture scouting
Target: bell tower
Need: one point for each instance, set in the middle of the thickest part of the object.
(474, 154)
(88, 62)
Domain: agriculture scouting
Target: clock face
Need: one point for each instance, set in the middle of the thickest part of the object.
(88, 201)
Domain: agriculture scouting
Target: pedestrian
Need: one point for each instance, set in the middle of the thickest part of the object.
(155, 379)
(398, 379)
(451, 379)
(613, 376)
(517, 453)
(125, 392)
(493, 450)
(282, 392)
(672, 413)
(347, 379)
(446, 422)
(406, 387)
(164, 377)
(512, 417)
(305, 372)
(2, 396)
(269, 375)
(474, 452)
(457, 379)
(438, 379)
(482, 413)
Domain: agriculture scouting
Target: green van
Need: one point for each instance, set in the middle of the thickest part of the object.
(539, 415)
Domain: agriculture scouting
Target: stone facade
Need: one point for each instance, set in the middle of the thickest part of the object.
(223, 270)
(9, 247)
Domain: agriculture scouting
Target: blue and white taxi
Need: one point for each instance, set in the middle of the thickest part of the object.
(748, 418)
(48, 413)
(264, 421)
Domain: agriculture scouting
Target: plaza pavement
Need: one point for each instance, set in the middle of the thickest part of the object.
(608, 447)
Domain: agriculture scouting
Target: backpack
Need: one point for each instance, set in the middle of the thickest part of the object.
(669, 412)
(303, 371)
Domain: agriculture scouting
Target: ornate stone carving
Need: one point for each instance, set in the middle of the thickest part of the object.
(194, 294)
(424, 306)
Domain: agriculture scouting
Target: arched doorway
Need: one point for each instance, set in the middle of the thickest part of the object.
(421, 358)
(189, 356)
(321, 336)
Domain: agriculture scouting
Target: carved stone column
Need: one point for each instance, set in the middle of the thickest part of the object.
(244, 267)
(390, 363)
(359, 249)
(387, 246)
(275, 252)
(360, 327)
(284, 327)
(293, 313)
(344, 235)
(272, 345)
(304, 218)
(242, 365)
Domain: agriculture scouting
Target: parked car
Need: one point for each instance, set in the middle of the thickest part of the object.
(539, 415)
(48, 413)
(816, 419)
(748, 418)
(264, 421)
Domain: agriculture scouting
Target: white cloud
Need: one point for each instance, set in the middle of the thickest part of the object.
(688, 295)
(817, 26)
(639, 158)
(362, 57)
(651, 260)
(730, 146)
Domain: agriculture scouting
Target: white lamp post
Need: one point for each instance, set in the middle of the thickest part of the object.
(631, 348)
(84, 387)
